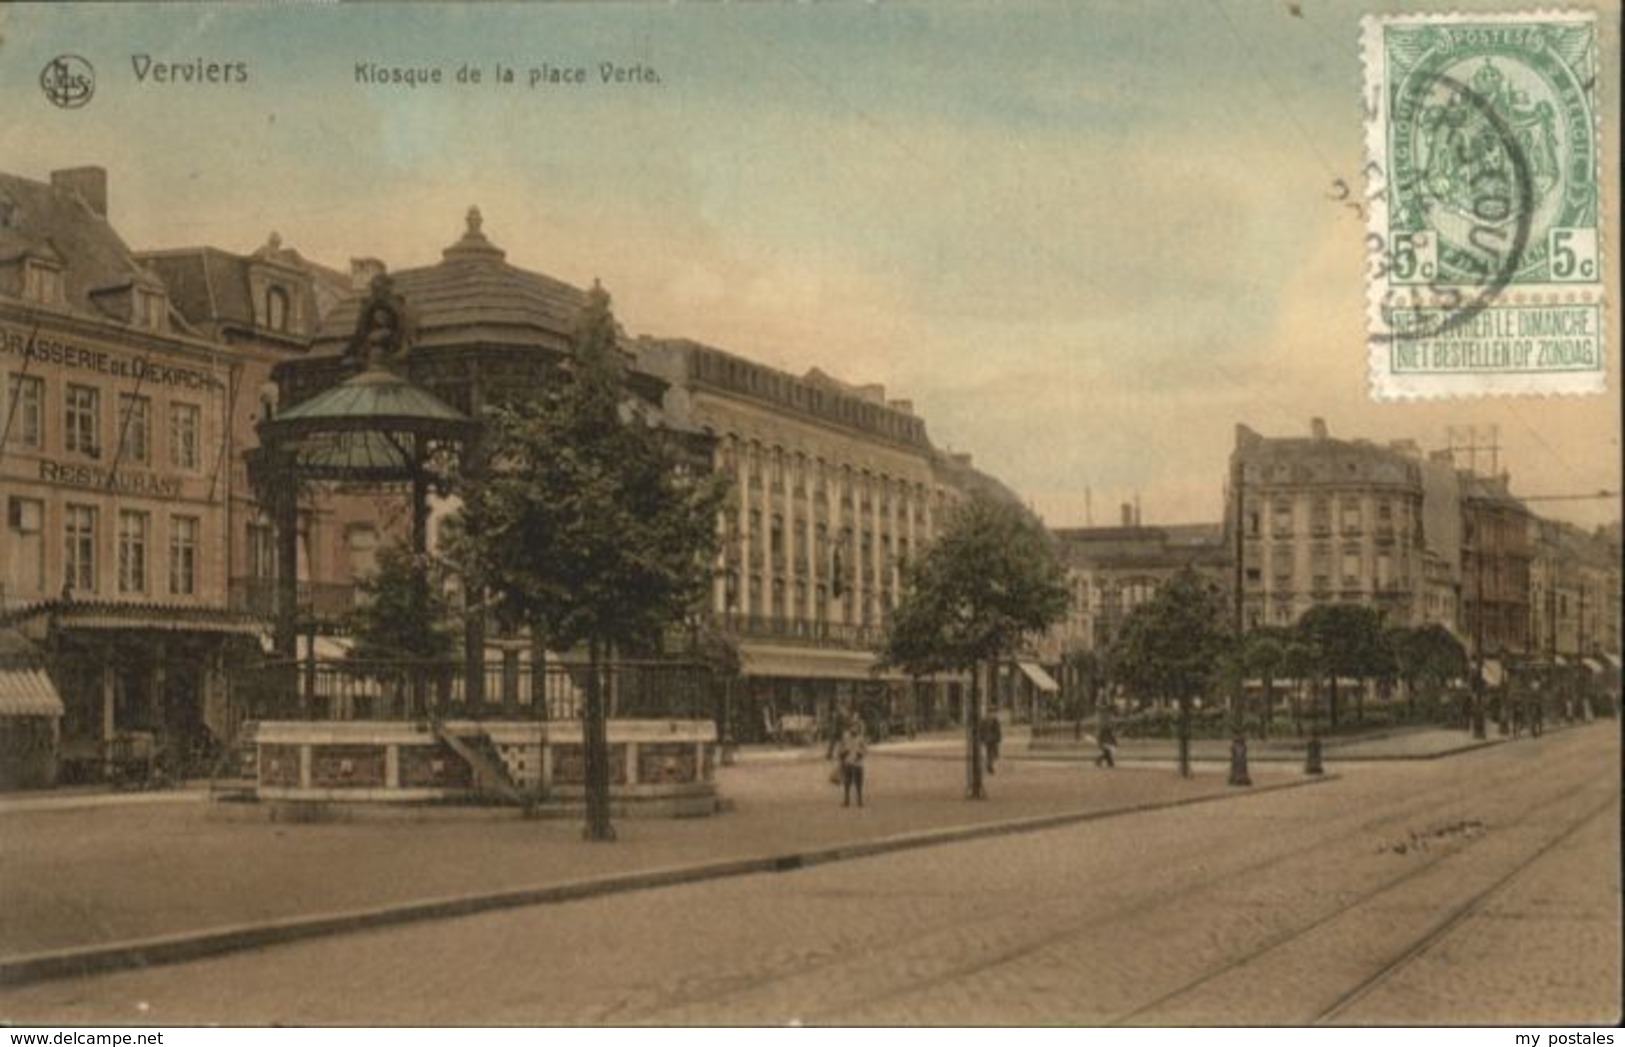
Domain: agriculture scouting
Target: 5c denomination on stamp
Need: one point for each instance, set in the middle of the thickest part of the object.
(1485, 267)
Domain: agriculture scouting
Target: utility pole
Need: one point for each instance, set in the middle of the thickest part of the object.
(1476, 548)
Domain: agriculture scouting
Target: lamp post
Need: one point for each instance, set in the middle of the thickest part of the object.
(1476, 548)
(1238, 697)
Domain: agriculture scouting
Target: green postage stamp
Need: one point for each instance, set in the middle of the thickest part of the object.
(1485, 249)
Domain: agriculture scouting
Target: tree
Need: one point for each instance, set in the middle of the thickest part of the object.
(1171, 646)
(402, 619)
(403, 616)
(593, 530)
(1427, 658)
(1348, 641)
(1264, 653)
(990, 578)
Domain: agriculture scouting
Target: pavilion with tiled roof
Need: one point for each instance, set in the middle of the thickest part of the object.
(482, 329)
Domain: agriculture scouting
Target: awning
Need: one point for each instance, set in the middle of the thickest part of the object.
(1494, 675)
(1612, 659)
(811, 664)
(28, 692)
(1594, 665)
(1041, 679)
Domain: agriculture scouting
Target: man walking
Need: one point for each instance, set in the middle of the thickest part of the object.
(1108, 747)
(992, 733)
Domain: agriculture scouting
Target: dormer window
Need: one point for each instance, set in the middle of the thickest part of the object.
(42, 282)
(150, 309)
(276, 308)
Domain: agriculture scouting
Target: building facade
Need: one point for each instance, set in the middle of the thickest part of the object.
(1573, 595)
(117, 471)
(1496, 556)
(834, 488)
(1324, 520)
(1113, 570)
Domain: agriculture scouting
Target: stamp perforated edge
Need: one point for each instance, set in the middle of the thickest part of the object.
(1383, 383)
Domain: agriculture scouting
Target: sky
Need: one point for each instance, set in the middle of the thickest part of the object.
(1084, 239)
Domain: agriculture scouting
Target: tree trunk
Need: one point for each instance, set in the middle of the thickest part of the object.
(973, 751)
(1268, 718)
(595, 744)
(1334, 700)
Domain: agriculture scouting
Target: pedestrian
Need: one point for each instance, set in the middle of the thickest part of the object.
(1238, 762)
(992, 733)
(851, 750)
(1108, 747)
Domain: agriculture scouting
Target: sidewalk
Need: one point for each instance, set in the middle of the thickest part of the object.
(81, 877)
(1398, 743)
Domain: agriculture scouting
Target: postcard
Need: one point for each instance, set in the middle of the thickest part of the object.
(854, 514)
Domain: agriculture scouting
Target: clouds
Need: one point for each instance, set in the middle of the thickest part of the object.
(1084, 241)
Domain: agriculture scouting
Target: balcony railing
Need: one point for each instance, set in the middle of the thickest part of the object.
(803, 631)
(352, 689)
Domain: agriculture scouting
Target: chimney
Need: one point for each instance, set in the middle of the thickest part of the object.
(362, 272)
(1317, 428)
(87, 183)
(1128, 515)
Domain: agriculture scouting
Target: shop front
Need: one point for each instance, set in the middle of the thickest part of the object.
(136, 680)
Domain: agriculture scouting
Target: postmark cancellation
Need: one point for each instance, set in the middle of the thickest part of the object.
(1485, 252)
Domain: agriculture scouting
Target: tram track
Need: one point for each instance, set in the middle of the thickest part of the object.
(1300, 933)
(1454, 920)
(895, 953)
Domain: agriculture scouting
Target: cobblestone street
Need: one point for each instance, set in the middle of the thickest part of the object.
(1483, 888)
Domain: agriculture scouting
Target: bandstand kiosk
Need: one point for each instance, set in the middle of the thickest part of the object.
(481, 331)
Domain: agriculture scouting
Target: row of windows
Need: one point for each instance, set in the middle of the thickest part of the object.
(775, 539)
(773, 595)
(752, 462)
(1351, 516)
(81, 545)
(132, 439)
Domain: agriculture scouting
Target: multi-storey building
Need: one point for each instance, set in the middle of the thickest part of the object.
(116, 467)
(267, 306)
(1113, 570)
(835, 487)
(1571, 599)
(1495, 582)
(1324, 520)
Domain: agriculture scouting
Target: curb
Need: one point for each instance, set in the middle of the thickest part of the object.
(45, 804)
(180, 948)
(1331, 755)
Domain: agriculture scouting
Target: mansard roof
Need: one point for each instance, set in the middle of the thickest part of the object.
(38, 219)
(472, 296)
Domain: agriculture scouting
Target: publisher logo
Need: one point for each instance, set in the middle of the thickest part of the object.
(68, 81)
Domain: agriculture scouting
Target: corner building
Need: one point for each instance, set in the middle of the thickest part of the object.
(835, 487)
(116, 473)
(1324, 520)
